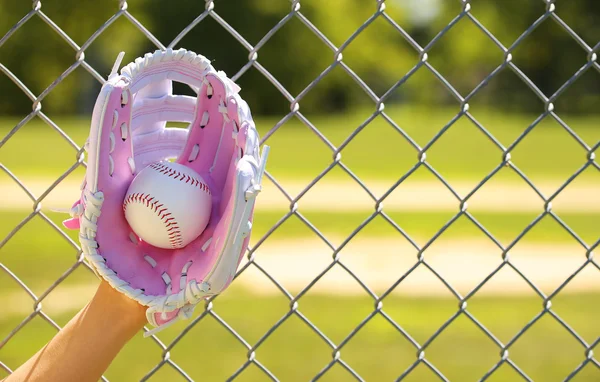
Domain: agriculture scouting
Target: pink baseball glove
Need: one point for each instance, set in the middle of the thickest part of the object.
(128, 133)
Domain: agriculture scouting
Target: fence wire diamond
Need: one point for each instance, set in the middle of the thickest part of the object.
(421, 163)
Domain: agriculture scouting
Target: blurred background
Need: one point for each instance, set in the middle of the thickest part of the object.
(420, 254)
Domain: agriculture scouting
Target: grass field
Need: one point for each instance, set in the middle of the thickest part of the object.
(462, 352)
(377, 152)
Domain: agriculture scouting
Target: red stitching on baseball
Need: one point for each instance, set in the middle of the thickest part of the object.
(179, 176)
(173, 229)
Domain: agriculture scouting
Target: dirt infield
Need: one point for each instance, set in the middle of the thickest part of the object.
(379, 264)
(348, 196)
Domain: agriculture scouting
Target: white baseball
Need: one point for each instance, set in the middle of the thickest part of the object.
(167, 205)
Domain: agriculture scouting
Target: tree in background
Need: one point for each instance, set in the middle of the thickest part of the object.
(295, 56)
(37, 55)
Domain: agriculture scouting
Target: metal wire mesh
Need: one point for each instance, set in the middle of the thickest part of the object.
(379, 13)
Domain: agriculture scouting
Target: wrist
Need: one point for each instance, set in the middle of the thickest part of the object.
(121, 312)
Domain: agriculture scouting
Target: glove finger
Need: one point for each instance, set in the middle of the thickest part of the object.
(211, 142)
(110, 162)
(109, 173)
(215, 132)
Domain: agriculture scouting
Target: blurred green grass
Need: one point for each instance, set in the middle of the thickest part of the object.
(377, 152)
(294, 352)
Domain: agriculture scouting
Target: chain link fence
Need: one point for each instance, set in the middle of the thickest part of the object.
(295, 200)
